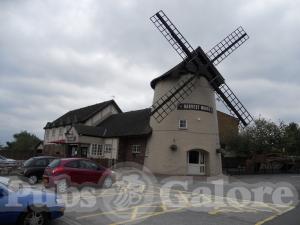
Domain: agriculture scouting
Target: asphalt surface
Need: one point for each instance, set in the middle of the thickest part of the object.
(291, 217)
(142, 204)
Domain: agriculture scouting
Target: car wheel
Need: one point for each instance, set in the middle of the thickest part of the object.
(34, 218)
(62, 186)
(32, 179)
(107, 183)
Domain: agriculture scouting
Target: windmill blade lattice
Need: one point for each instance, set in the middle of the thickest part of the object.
(172, 34)
(200, 63)
(233, 104)
(169, 101)
(230, 43)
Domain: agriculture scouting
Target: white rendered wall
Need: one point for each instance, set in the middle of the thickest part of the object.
(201, 134)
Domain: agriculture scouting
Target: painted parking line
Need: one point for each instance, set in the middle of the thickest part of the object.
(116, 211)
(145, 217)
(273, 217)
(183, 200)
(133, 214)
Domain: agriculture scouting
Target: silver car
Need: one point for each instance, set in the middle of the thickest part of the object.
(7, 162)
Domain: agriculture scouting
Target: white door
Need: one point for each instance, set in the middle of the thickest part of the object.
(196, 163)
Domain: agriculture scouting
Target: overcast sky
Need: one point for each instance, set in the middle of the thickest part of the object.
(58, 55)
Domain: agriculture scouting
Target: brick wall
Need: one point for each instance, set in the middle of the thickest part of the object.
(125, 151)
(228, 127)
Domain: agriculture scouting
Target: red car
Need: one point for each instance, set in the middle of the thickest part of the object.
(65, 172)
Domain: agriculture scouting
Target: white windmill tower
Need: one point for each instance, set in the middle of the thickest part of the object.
(184, 118)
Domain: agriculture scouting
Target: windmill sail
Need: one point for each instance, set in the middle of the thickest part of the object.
(199, 63)
(233, 104)
(169, 101)
(225, 47)
(172, 34)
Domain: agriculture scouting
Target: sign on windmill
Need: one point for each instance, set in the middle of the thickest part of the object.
(199, 64)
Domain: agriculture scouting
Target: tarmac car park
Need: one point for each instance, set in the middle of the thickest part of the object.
(161, 205)
(131, 202)
(136, 203)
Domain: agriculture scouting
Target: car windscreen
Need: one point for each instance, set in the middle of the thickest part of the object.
(28, 162)
(7, 185)
(54, 163)
(2, 157)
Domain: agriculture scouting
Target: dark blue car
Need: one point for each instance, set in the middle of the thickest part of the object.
(27, 206)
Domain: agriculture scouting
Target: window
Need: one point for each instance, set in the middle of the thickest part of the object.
(107, 148)
(72, 164)
(193, 157)
(29, 162)
(41, 163)
(54, 163)
(96, 150)
(182, 124)
(99, 150)
(88, 165)
(74, 151)
(136, 149)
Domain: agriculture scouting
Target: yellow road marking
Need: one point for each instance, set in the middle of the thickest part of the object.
(266, 220)
(134, 212)
(184, 198)
(116, 210)
(163, 206)
(220, 202)
(147, 216)
(273, 216)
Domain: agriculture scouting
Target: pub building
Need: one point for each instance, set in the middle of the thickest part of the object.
(187, 142)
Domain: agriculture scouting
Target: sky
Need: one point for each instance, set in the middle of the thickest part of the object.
(59, 55)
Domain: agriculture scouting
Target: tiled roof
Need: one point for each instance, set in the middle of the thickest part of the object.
(80, 115)
(133, 123)
(89, 130)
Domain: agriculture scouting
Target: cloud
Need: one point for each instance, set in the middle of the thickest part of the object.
(59, 55)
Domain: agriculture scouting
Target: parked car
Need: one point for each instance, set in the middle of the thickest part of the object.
(34, 206)
(7, 162)
(62, 173)
(34, 168)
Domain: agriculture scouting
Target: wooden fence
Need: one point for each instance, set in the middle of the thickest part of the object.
(239, 166)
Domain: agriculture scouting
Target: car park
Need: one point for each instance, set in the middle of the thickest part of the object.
(27, 206)
(65, 172)
(33, 168)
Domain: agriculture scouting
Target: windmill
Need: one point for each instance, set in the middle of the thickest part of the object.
(198, 63)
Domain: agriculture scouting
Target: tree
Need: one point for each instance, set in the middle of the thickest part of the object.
(23, 141)
(291, 139)
(265, 136)
(262, 136)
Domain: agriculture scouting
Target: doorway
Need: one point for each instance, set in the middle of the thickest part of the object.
(196, 162)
